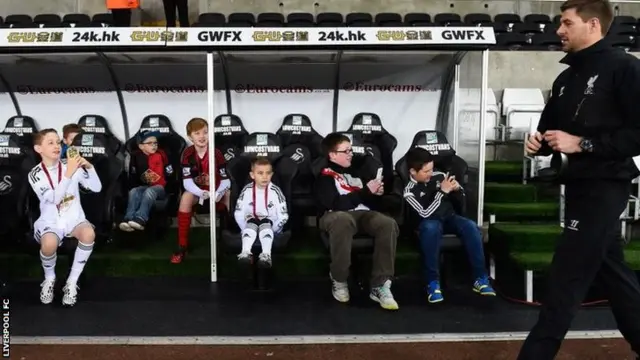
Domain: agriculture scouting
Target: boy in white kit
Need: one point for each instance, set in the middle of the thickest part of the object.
(261, 212)
(56, 182)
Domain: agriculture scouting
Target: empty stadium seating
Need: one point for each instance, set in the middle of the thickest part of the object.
(513, 32)
(230, 135)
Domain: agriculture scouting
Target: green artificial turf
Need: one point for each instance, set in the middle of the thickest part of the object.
(509, 193)
(529, 211)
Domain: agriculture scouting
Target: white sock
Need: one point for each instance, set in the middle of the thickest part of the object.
(266, 238)
(248, 238)
(49, 265)
(80, 258)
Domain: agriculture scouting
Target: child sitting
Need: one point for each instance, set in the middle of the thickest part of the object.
(56, 182)
(148, 172)
(69, 133)
(433, 197)
(195, 179)
(261, 211)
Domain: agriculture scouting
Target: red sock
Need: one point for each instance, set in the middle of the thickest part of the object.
(184, 224)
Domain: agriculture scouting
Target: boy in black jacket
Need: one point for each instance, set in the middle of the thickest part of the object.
(347, 202)
(149, 169)
(433, 198)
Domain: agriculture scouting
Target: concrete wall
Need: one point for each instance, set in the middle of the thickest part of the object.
(152, 11)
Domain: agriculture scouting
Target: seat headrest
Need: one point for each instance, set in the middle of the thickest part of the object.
(296, 124)
(434, 142)
(91, 146)
(94, 124)
(262, 145)
(156, 123)
(21, 125)
(366, 123)
(359, 147)
(10, 148)
(228, 125)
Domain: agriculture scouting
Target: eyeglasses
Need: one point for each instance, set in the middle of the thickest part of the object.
(152, 143)
(346, 151)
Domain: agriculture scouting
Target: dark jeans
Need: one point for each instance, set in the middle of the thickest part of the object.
(589, 249)
(170, 12)
(430, 232)
(342, 226)
(141, 201)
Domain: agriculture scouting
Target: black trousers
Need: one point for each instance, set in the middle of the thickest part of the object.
(121, 17)
(170, 12)
(589, 250)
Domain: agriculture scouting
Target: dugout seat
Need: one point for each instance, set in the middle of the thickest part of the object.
(16, 195)
(302, 144)
(23, 126)
(173, 145)
(367, 127)
(97, 124)
(100, 207)
(230, 135)
(445, 160)
(258, 145)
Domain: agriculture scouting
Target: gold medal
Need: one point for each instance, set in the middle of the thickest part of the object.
(72, 152)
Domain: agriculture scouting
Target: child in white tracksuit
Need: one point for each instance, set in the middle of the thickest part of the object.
(261, 212)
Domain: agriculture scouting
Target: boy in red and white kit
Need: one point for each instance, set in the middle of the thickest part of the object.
(195, 178)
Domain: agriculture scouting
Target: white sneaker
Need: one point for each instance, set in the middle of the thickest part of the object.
(383, 296)
(46, 293)
(340, 290)
(124, 226)
(70, 296)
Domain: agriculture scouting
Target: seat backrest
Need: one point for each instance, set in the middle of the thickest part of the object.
(300, 142)
(15, 164)
(230, 135)
(368, 127)
(168, 140)
(23, 126)
(95, 148)
(97, 124)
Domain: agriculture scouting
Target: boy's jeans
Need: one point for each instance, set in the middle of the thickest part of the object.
(141, 201)
(430, 232)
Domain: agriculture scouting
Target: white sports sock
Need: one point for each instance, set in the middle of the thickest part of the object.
(248, 237)
(49, 265)
(265, 234)
(80, 258)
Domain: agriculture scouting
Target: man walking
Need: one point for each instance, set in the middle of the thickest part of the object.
(592, 116)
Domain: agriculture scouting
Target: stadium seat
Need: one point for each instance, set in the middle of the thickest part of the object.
(302, 144)
(521, 107)
(447, 19)
(18, 19)
(173, 145)
(47, 20)
(16, 196)
(230, 135)
(102, 20)
(241, 20)
(329, 19)
(24, 127)
(416, 19)
(270, 20)
(98, 124)
(100, 207)
(358, 19)
(300, 20)
(212, 19)
(445, 161)
(367, 127)
(76, 20)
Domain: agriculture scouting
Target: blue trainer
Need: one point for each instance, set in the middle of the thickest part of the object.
(483, 287)
(435, 294)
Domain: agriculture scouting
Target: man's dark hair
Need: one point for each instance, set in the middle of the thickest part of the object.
(330, 142)
(417, 158)
(587, 9)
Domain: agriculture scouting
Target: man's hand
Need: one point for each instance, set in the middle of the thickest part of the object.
(563, 142)
(533, 143)
(448, 184)
(380, 189)
(374, 186)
